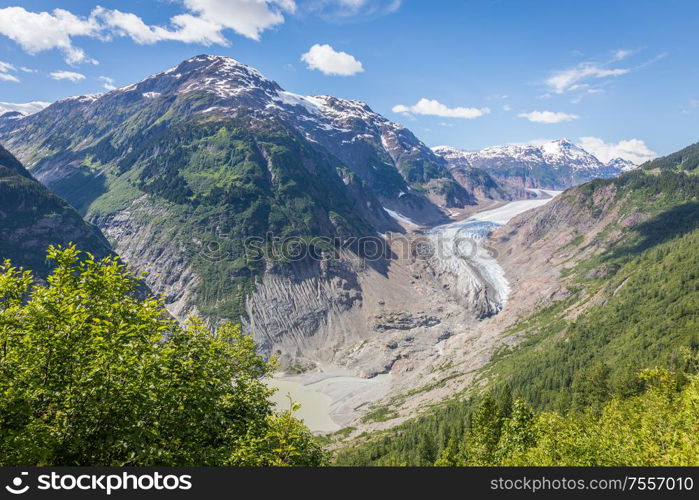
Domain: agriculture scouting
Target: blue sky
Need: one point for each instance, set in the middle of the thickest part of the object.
(618, 77)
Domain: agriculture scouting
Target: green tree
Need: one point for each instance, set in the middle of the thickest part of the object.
(505, 401)
(484, 435)
(591, 387)
(426, 449)
(91, 374)
(518, 431)
(450, 456)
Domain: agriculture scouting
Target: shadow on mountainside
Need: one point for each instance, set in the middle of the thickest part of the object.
(665, 226)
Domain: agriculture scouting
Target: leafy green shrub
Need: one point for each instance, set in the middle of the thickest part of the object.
(92, 374)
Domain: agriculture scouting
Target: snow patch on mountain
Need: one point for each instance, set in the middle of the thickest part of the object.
(400, 217)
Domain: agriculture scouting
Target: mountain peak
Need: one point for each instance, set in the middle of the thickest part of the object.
(621, 164)
(561, 146)
(222, 76)
(564, 142)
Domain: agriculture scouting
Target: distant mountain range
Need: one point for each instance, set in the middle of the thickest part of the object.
(554, 165)
(10, 110)
(604, 285)
(398, 168)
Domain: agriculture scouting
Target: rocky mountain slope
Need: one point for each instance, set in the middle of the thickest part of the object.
(554, 165)
(32, 218)
(196, 173)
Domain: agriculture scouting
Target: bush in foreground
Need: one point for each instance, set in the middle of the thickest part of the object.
(91, 374)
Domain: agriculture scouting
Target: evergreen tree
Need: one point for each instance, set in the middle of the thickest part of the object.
(484, 435)
(518, 431)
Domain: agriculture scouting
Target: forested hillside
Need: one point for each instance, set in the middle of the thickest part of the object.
(32, 218)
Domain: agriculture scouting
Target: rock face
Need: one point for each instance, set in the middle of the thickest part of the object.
(554, 165)
(32, 218)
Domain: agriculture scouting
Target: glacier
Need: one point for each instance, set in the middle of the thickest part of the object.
(459, 251)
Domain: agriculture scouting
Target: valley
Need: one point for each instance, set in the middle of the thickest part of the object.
(427, 278)
(457, 256)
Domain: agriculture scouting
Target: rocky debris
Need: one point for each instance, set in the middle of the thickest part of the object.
(602, 271)
(141, 242)
(402, 320)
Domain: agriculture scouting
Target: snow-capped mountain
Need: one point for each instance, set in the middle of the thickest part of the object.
(22, 109)
(621, 165)
(385, 155)
(554, 165)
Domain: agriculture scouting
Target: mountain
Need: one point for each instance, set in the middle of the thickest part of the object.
(11, 111)
(32, 218)
(477, 180)
(554, 165)
(621, 165)
(197, 172)
(604, 285)
(24, 109)
(402, 172)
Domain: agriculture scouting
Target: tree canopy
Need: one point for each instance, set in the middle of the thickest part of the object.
(92, 373)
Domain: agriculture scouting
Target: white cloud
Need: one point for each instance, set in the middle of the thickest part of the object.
(39, 31)
(634, 150)
(506, 107)
(6, 70)
(202, 22)
(187, 28)
(621, 54)
(108, 82)
(330, 62)
(246, 17)
(343, 10)
(548, 117)
(435, 108)
(573, 78)
(67, 75)
(581, 95)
